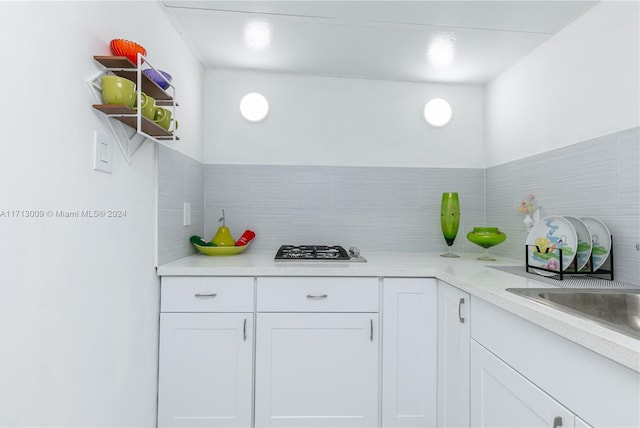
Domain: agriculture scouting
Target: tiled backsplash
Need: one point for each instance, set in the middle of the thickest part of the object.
(375, 209)
(180, 180)
(398, 209)
(598, 178)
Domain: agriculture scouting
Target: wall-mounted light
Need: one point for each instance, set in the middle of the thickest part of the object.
(254, 107)
(437, 112)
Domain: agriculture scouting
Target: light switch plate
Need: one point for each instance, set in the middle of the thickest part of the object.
(186, 214)
(102, 152)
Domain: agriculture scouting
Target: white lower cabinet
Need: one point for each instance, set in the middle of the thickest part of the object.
(598, 391)
(317, 352)
(316, 369)
(409, 352)
(504, 398)
(454, 332)
(206, 352)
(205, 370)
(318, 358)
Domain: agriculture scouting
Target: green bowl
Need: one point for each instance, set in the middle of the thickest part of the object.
(221, 251)
(118, 90)
(486, 237)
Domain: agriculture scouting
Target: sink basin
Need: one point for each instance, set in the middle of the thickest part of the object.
(618, 309)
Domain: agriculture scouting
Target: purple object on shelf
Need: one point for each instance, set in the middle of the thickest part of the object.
(156, 76)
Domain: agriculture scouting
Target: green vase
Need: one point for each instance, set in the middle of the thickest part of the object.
(450, 220)
(486, 237)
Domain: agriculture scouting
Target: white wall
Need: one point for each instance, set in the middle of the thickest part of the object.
(316, 120)
(78, 296)
(582, 83)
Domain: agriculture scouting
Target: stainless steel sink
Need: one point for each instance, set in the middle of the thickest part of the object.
(618, 309)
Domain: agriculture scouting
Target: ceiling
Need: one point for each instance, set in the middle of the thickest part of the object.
(464, 42)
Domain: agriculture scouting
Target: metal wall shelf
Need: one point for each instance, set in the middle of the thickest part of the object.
(128, 116)
(128, 126)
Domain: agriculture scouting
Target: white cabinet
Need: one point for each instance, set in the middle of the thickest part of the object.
(597, 390)
(205, 370)
(504, 398)
(206, 357)
(409, 353)
(453, 356)
(316, 368)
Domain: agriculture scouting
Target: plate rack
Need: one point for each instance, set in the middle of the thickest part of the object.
(561, 272)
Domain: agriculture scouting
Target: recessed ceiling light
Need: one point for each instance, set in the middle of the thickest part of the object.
(437, 112)
(257, 34)
(254, 107)
(442, 49)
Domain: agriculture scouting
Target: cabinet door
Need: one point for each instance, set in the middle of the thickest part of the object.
(501, 397)
(316, 370)
(454, 333)
(205, 375)
(409, 352)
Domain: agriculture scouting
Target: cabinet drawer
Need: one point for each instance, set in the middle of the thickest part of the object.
(291, 294)
(206, 294)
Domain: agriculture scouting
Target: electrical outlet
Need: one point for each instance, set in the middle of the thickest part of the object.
(102, 152)
(186, 214)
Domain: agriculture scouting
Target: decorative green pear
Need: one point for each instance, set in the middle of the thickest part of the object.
(223, 237)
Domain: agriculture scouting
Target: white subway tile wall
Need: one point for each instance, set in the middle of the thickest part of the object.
(398, 209)
(597, 178)
(375, 209)
(180, 180)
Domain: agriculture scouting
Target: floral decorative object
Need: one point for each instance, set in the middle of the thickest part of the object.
(529, 208)
(528, 205)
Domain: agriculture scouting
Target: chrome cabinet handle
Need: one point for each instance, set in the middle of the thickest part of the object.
(205, 296)
(317, 296)
(371, 334)
(460, 303)
(557, 422)
(244, 330)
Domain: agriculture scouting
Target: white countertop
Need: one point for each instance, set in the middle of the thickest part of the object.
(466, 273)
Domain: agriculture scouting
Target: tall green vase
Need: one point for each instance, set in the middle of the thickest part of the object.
(449, 220)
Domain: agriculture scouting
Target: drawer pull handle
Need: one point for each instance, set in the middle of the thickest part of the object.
(244, 330)
(460, 303)
(205, 296)
(317, 296)
(557, 422)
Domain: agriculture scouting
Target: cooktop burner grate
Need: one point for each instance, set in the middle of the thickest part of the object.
(319, 253)
(312, 252)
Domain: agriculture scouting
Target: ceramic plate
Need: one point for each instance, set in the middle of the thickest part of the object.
(221, 251)
(601, 241)
(584, 242)
(550, 234)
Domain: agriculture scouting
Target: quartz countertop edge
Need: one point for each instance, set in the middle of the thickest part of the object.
(466, 273)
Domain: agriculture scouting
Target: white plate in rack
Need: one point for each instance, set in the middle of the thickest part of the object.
(600, 239)
(584, 242)
(552, 233)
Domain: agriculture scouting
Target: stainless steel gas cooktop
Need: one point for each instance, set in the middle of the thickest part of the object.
(333, 253)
